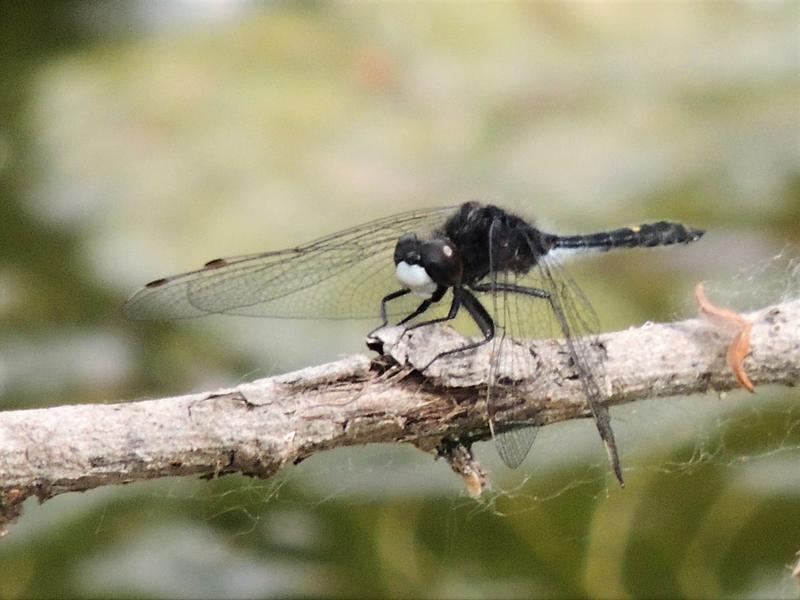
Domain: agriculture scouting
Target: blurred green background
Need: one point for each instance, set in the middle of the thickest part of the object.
(142, 138)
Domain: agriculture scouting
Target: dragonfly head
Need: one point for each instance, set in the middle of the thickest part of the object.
(424, 266)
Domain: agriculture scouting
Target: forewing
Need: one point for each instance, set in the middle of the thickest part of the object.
(343, 275)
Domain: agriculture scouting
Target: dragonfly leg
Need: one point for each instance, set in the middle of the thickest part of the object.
(384, 301)
(424, 305)
(476, 310)
(388, 298)
(437, 295)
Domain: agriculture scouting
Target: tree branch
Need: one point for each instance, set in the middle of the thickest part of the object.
(259, 427)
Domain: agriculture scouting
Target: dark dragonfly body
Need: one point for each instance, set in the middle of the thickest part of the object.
(488, 239)
(462, 255)
(479, 242)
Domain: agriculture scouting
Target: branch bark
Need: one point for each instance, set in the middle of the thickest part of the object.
(259, 427)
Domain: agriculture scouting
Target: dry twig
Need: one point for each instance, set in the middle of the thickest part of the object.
(257, 428)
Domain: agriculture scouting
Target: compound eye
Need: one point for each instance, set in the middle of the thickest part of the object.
(442, 261)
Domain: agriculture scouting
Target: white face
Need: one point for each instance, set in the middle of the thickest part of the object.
(415, 278)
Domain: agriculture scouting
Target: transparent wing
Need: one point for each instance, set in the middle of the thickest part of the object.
(513, 445)
(560, 311)
(344, 275)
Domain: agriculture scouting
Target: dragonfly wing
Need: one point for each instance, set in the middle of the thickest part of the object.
(343, 275)
(560, 311)
(513, 445)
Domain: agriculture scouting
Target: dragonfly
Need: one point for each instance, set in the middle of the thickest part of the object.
(426, 267)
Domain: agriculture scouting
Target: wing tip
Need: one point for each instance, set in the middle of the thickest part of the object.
(132, 309)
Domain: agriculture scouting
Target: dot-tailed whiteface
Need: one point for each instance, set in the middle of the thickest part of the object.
(496, 266)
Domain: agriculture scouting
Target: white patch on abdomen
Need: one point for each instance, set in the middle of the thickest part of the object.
(415, 278)
(563, 255)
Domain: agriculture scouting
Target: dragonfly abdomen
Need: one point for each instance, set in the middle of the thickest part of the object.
(661, 233)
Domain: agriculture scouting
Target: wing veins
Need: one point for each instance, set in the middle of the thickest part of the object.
(214, 288)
